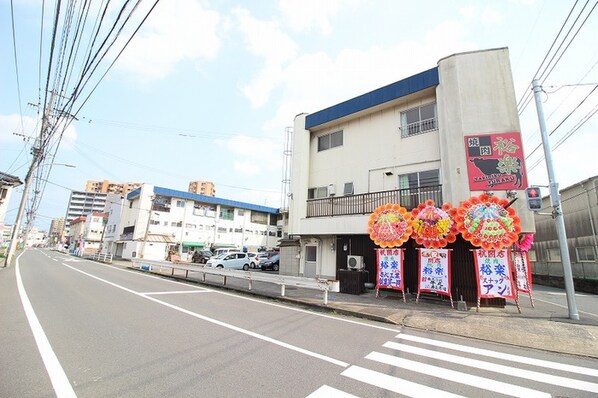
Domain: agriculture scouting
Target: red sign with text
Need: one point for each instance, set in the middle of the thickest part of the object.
(495, 162)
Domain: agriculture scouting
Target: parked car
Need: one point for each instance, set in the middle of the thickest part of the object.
(270, 263)
(233, 260)
(254, 260)
(201, 256)
(223, 250)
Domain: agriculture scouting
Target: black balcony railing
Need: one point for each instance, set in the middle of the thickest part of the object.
(368, 202)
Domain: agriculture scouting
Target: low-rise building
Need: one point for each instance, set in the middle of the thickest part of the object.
(422, 137)
(157, 221)
(579, 204)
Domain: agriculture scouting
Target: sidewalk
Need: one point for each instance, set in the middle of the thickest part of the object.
(545, 327)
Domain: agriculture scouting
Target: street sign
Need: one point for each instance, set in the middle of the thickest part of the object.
(534, 198)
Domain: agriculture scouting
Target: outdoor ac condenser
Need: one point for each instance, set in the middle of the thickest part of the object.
(355, 262)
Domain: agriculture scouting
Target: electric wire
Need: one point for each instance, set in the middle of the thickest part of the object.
(16, 59)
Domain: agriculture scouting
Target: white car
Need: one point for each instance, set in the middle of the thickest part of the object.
(254, 260)
(233, 260)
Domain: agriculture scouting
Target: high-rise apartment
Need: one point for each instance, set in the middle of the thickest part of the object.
(83, 203)
(202, 188)
(105, 186)
(56, 230)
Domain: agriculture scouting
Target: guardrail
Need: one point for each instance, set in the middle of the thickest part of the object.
(324, 285)
(102, 257)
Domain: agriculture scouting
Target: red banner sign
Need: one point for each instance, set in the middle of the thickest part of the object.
(495, 162)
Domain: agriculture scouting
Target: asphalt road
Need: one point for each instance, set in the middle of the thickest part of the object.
(72, 327)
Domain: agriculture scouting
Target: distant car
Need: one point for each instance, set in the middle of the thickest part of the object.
(270, 263)
(201, 256)
(233, 260)
(254, 260)
(223, 250)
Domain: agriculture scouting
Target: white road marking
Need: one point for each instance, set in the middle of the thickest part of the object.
(60, 382)
(219, 323)
(174, 292)
(460, 377)
(395, 384)
(330, 392)
(255, 300)
(501, 355)
(565, 307)
(494, 367)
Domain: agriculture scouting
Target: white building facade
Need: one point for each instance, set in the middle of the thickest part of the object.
(157, 221)
(403, 143)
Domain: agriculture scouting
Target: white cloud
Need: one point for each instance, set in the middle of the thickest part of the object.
(264, 39)
(254, 155)
(306, 15)
(491, 16)
(176, 31)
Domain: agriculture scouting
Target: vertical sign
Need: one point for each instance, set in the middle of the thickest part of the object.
(389, 270)
(435, 272)
(494, 275)
(524, 274)
(495, 161)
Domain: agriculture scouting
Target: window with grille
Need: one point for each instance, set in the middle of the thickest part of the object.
(419, 120)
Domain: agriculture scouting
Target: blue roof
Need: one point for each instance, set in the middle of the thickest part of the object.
(384, 94)
(205, 199)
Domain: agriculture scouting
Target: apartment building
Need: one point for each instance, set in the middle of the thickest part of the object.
(412, 140)
(202, 188)
(579, 204)
(56, 235)
(155, 221)
(105, 186)
(83, 203)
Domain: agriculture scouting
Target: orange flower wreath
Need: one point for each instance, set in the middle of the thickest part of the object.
(390, 225)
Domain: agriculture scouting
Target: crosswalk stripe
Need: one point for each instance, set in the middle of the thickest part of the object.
(501, 355)
(395, 384)
(330, 392)
(489, 366)
(459, 377)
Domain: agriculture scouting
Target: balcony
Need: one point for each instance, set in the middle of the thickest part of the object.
(368, 202)
(419, 127)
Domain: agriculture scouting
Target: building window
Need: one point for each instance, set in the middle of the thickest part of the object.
(258, 217)
(419, 120)
(240, 212)
(532, 255)
(161, 203)
(227, 213)
(239, 230)
(317, 193)
(410, 184)
(348, 190)
(554, 255)
(180, 203)
(585, 254)
(154, 222)
(329, 141)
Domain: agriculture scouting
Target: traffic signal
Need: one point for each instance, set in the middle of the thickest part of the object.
(534, 198)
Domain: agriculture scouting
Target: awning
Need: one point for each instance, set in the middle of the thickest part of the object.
(157, 239)
(193, 244)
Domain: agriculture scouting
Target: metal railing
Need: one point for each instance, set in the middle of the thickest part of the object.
(419, 127)
(101, 257)
(324, 285)
(368, 202)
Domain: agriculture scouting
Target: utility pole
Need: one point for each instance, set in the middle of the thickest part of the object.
(557, 213)
(37, 153)
(149, 217)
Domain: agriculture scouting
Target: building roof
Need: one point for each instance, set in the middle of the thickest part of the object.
(205, 199)
(9, 180)
(410, 85)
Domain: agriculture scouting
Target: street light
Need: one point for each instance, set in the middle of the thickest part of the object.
(15, 232)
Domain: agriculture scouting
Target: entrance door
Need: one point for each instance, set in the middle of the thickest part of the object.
(311, 261)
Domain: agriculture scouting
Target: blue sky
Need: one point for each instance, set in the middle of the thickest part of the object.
(206, 89)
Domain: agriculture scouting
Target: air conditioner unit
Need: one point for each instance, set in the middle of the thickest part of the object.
(355, 262)
(331, 190)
